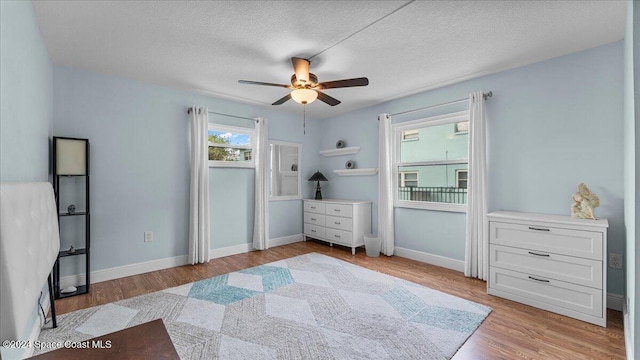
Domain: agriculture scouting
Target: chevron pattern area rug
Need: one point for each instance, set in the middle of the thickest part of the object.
(307, 307)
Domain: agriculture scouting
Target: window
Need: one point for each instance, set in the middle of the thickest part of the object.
(461, 178)
(230, 146)
(410, 135)
(432, 170)
(408, 178)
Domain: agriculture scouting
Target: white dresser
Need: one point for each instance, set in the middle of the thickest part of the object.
(556, 263)
(343, 222)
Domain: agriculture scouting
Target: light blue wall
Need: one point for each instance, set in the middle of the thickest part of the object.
(26, 95)
(631, 168)
(285, 217)
(139, 137)
(551, 125)
(636, 96)
(433, 232)
(26, 111)
(228, 189)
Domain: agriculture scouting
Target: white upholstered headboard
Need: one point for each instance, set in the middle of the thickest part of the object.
(29, 245)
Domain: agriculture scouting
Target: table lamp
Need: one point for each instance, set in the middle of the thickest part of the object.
(317, 176)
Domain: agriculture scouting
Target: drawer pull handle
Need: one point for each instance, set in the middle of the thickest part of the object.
(313, 231)
(536, 254)
(336, 210)
(538, 229)
(314, 219)
(313, 207)
(337, 236)
(536, 279)
(337, 222)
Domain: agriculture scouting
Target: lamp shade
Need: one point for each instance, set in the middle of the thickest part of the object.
(304, 96)
(70, 156)
(317, 176)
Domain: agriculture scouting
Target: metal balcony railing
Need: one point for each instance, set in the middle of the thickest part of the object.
(448, 195)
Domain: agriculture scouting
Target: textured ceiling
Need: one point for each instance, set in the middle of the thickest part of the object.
(206, 46)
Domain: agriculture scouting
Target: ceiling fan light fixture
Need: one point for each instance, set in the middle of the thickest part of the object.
(304, 96)
(305, 86)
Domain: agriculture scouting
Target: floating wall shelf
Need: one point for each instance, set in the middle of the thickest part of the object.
(356, 172)
(342, 151)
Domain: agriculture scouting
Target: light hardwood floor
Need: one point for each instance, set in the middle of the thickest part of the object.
(512, 330)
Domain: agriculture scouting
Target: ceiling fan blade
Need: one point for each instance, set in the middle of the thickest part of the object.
(264, 83)
(301, 69)
(327, 99)
(283, 100)
(362, 81)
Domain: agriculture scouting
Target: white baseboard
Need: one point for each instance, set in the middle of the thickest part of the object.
(437, 260)
(248, 247)
(230, 250)
(124, 271)
(285, 240)
(628, 341)
(160, 264)
(615, 301)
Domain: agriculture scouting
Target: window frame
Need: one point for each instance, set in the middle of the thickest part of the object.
(237, 130)
(396, 141)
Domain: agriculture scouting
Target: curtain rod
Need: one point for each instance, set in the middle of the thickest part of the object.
(485, 95)
(217, 113)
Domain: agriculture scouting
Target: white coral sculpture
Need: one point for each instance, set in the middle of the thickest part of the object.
(584, 201)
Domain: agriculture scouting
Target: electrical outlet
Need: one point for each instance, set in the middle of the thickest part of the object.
(615, 261)
(148, 236)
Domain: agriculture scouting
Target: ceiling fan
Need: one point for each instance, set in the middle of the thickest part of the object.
(305, 86)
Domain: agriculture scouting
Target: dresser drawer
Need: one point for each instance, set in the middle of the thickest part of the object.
(314, 231)
(314, 218)
(574, 270)
(339, 236)
(339, 210)
(585, 244)
(541, 292)
(315, 207)
(339, 223)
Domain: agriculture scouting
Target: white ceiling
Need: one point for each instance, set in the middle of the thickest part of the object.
(207, 46)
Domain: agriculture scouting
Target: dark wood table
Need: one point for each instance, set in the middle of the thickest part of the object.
(146, 341)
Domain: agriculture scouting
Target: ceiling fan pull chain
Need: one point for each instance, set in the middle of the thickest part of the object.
(304, 119)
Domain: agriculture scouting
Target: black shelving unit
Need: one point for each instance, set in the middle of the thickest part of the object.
(77, 168)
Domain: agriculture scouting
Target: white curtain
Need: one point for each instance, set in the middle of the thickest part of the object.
(476, 247)
(261, 213)
(199, 200)
(385, 185)
(275, 164)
